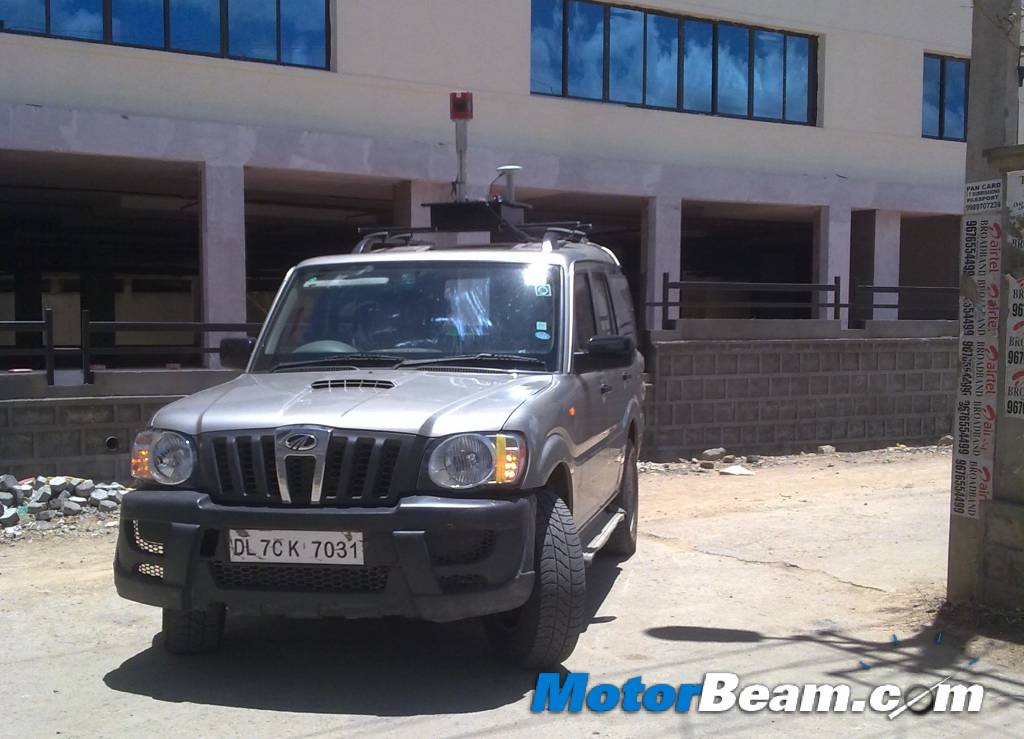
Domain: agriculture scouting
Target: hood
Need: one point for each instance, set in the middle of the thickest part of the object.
(434, 403)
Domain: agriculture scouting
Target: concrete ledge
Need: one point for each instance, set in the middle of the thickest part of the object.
(911, 329)
(114, 383)
(743, 328)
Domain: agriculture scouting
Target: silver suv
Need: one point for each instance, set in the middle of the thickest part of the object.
(419, 431)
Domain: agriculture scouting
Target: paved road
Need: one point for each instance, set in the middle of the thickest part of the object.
(801, 574)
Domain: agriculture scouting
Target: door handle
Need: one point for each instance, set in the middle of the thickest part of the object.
(605, 388)
(627, 376)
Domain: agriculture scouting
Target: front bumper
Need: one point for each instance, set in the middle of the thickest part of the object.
(437, 559)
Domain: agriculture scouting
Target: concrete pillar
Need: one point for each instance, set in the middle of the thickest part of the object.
(411, 195)
(993, 123)
(662, 251)
(887, 260)
(832, 231)
(222, 249)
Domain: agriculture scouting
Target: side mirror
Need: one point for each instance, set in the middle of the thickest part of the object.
(605, 352)
(235, 352)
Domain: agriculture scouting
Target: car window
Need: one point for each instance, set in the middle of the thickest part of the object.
(622, 301)
(583, 309)
(602, 305)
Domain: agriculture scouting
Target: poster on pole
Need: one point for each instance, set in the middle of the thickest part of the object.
(1014, 391)
(983, 197)
(1015, 210)
(979, 355)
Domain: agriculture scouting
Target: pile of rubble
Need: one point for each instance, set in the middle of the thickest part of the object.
(44, 503)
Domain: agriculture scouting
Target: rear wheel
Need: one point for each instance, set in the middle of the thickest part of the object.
(543, 632)
(193, 632)
(623, 539)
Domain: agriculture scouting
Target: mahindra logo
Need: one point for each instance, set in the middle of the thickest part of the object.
(301, 442)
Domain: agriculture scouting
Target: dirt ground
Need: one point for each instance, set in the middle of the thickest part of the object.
(815, 569)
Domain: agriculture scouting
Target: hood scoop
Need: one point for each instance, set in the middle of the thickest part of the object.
(353, 384)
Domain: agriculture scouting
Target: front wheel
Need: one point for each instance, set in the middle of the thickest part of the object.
(543, 632)
(193, 632)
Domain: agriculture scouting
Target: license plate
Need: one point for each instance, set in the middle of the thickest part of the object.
(296, 547)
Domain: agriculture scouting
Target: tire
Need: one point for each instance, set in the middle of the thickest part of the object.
(542, 633)
(193, 632)
(623, 540)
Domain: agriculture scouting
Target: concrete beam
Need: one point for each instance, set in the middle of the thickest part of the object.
(412, 195)
(222, 249)
(832, 232)
(662, 234)
(887, 260)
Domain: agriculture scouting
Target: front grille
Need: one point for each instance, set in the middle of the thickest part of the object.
(359, 469)
(459, 547)
(300, 578)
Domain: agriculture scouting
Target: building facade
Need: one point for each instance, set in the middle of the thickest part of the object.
(170, 159)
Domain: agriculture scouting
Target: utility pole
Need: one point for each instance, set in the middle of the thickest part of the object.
(986, 538)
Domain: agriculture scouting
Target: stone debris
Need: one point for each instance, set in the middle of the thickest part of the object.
(713, 455)
(71, 509)
(707, 464)
(9, 517)
(60, 504)
(946, 440)
(826, 449)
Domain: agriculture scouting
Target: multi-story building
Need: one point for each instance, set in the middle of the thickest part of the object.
(169, 159)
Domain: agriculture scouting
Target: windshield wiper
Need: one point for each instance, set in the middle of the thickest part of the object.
(482, 358)
(341, 360)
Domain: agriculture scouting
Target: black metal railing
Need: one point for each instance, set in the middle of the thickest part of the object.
(831, 291)
(46, 350)
(911, 302)
(91, 328)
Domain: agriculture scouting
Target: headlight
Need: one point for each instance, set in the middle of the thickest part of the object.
(165, 457)
(471, 460)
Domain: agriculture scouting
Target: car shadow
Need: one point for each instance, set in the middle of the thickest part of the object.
(385, 667)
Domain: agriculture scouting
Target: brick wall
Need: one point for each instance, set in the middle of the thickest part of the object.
(70, 436)
(787, 396)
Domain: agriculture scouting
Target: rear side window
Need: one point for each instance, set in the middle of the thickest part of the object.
(602, 305)
(583, 309)
(622, 300)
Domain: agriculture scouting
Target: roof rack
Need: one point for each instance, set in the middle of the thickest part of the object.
(549, 233)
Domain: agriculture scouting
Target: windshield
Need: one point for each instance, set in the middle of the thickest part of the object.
(411, 311)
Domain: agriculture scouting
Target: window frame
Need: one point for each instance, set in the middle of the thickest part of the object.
(942, 59)
(107, 39)
(813, 82)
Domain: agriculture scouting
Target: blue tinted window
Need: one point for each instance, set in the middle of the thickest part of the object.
(195, 25)
(798, 77)
(77, 18)
(662, 61)
(955, 100)
(137, 22)
(24, 15)
(769, 51)
(252, 28)
(586, 50)
(733, 69)
(626, 66)
(546, 47)
(697, 66)
(932, 95)
(304, 32)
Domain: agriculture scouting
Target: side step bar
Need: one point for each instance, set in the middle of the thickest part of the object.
(610, 519)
